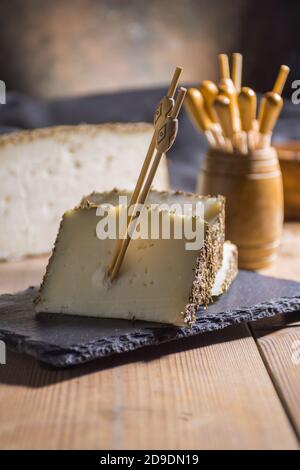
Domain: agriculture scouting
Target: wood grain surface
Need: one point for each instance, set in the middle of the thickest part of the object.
(223, 390)
(278, 338)
(279, 343)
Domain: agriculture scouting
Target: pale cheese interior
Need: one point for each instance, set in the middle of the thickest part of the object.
(154, 283)
(45, 172)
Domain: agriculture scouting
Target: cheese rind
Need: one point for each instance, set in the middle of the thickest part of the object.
(44, 172)
(228, 271)
(159, 280)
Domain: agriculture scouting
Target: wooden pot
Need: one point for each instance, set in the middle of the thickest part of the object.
(289, 159)
(252, 185)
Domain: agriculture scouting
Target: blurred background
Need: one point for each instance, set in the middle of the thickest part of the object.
(55, 48)
(95, 61)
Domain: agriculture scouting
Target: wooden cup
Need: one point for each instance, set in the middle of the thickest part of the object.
(252, 185)
(289, 159)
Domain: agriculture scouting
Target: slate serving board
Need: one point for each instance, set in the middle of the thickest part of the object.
(63, 340)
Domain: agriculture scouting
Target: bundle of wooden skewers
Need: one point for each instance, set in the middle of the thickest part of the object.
(227, 113)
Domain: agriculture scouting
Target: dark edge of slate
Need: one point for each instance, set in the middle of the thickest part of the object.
(77, 354)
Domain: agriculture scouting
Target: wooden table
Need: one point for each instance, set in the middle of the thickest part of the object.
(237, 388)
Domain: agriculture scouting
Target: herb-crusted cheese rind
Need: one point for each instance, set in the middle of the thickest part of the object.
(209, 261)
(159, 280)
(63, 133)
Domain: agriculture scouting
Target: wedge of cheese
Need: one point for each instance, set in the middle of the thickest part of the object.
(44, 172)
(160, 279)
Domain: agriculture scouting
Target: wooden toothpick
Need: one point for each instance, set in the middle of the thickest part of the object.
(194, 104)
(237, 65)
(247, 106)
(164, 140)
(270, 112)
(224, 113)
(164, 136)
(281, 79)
(163, 109)
(271, 105)
(209, 91)
(174, 82)
(224, 66)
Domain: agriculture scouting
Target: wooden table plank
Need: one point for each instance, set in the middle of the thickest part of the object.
(18, 275)
(279, 343)
(208, 392)
(287, 264)
(279, 338)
